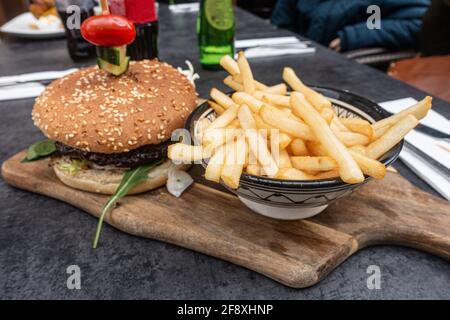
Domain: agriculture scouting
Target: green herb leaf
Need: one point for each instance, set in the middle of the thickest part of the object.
(40, 150)
(131, 179)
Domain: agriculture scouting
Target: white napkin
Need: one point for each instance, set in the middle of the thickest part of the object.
(260, 52)
(247, 43)
(273, 47)
(433, 119)
(433, 147)
(21, 91)
(184, 7)
(435, 179)
(35, 76)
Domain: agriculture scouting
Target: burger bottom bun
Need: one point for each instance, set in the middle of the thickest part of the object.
(106, 181)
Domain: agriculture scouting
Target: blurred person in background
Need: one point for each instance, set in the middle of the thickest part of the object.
(342, 24)
(435, 37)
(11, 8)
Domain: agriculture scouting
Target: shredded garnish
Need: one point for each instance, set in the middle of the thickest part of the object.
(190, 72)
(178, 181)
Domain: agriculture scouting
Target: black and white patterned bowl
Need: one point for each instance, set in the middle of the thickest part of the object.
(292, 200)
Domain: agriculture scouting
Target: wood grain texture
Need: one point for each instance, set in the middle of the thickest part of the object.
(295, 253)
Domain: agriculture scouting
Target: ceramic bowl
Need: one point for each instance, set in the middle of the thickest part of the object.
(293, 200)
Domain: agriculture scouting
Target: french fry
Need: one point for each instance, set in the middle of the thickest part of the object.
(348, 168)
(302, 99)
(245, 117)
(187, 153)
(225, 118)
(284, 140)
(370, 167)
(245, 98)
(260, 124)
(217, 107)
(233, 125)
(318, 101)
(332, 174)
(294, 117)
(359, 149)
(221, 98)
(298, 148)
(217, 137)
(258, 146)
(338, 123)
(273, 99)
(258, 85)
(315, 98)
(294, 174)
(327, 114)
(229, 65)
(279, 120)
(246, 73)
(291, 115)
(283, 160)
(230, 82)
(232, 68)
(392, 136)
(288, 111)
(234, 162)
(419, 111)
(359, 126)
(254, 169)
(350, 139)
(279, 139)
(277, 89)
(200, 127)
(215, 164)
(314, 163)
(312, 172)
(237, 86)
(391, 169)
(316, 149)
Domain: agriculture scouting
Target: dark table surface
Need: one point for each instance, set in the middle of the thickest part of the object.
(41, 237)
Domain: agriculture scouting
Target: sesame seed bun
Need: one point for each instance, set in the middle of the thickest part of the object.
(95, 111)
(107, 181)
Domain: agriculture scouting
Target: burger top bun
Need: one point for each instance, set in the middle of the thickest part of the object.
(95, 111)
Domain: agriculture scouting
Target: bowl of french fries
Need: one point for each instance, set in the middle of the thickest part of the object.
(288, 153)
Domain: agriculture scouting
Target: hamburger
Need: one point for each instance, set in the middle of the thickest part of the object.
(104, 125)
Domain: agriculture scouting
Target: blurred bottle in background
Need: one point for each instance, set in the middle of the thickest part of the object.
(144, 16)
(79, 48)
(215, 29)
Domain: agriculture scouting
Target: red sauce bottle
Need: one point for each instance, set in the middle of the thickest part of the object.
(143, 15)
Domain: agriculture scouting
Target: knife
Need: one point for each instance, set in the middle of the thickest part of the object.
(33, 77)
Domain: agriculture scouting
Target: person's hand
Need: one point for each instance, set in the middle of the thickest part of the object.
(335, 45)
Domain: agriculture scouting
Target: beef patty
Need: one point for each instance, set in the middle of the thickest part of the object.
(143, 155)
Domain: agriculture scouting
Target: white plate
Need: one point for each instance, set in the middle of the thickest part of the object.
(20, 27)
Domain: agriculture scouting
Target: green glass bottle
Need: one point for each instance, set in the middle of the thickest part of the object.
(215, 29)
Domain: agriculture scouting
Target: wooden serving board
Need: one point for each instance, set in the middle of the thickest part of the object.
(295, 253)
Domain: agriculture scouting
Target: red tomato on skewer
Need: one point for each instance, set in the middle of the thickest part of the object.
(108, 30)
